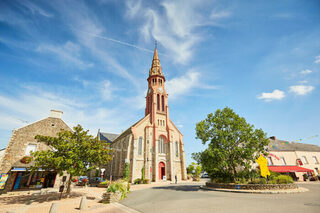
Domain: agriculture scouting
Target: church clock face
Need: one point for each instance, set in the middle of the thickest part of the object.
(160, 89)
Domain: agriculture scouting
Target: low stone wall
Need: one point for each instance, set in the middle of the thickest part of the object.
(110, 197)
(251, 186)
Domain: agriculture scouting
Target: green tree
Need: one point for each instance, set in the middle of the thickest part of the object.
(194, 169)
(233, 144)
(75, 152)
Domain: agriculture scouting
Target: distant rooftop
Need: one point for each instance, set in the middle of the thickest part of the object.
(109, 137)
(281, 145)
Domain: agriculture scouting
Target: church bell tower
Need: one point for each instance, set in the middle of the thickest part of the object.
(156, 99)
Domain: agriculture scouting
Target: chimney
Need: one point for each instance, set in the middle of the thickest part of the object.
(55, 114)
(273, 138)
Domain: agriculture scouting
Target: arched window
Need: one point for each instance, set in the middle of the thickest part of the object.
(162, 101)
(158, 101)
(177, 149)
(140, 146)
(162, 145)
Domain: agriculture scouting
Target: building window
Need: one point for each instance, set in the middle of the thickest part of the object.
(304, 160)
(270, 163)
(177, 149)
(162, 101)
(162, 145)
(315, 160)
(30, 148)
(283, 162)
(140, 146)
(158, 101)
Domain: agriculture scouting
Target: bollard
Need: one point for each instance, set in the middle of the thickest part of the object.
(54, 208)
(83, 203)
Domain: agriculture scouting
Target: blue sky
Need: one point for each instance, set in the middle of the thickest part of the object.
(90, 59)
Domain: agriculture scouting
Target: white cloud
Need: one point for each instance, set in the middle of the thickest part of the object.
(133, 7)
(106, 90)
(303, 82)
(317, 61)
(301, 89)
(274, 95)
(34, 103)
(182, 85)
(219, 14)
(69, 52)
(306, 72)
(177, 27)
(36, 9)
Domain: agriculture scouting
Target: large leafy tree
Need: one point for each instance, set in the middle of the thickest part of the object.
(233, 144)
(74, 152)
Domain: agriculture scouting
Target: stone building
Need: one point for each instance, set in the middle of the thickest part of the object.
(294, 159)
(154, 142)
(21, 144)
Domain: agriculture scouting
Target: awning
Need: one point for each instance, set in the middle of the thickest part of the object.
(289, 169)
(22, 169)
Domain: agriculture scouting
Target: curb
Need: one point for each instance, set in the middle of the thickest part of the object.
(300, 189)
(124, 208)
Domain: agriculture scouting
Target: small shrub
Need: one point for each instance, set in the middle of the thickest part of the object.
(137, 181)
(241, 181)
(126, 172)
(255, 181)
(262, 181)
(105, 182)
(283, 179)
(119, 185)
(146, 181)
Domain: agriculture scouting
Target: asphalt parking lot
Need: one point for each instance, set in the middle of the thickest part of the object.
(190, 198)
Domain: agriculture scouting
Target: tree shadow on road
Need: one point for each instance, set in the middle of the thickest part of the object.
(29, 199)
(185, 188)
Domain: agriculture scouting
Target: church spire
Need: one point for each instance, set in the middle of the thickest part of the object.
(155, 66)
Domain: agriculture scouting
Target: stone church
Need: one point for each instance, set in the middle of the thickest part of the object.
(154, 142)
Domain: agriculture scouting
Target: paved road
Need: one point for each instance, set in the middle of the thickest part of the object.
(189, 198)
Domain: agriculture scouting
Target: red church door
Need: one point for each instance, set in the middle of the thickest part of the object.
(162, 170)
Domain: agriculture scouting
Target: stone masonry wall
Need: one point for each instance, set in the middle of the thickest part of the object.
(20, 139)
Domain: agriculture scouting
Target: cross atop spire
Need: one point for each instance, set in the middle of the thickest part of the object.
(155, 44)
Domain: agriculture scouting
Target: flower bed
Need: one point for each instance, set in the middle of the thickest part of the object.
(110, 197)
(116, 191)
(251, 186)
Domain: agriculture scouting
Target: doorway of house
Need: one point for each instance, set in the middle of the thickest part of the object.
(162, 170)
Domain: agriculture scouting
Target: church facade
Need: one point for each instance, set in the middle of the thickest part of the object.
(153, 144)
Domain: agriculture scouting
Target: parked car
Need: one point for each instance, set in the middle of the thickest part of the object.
(205, 175)
(95, 181)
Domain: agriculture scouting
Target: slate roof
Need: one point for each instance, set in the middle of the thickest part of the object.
(281, 145)
(109, 137)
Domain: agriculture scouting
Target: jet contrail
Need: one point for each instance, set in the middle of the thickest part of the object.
(117, 41)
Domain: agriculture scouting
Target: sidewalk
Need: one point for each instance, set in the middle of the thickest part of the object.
(25, 202)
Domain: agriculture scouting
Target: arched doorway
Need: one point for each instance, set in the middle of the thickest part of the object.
(162, 170)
